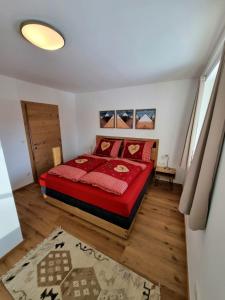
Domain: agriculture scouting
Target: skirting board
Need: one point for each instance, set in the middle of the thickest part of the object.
(117, 230)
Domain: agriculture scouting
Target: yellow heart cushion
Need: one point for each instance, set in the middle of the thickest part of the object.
(133, 149)
(105, 145)
(121, 169)
(81, 160)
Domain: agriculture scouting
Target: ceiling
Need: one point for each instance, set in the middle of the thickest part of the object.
(111, 43)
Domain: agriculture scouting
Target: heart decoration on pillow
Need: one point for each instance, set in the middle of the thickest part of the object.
(81, 160)
(105, 145)
(121, 169)
(133, 149)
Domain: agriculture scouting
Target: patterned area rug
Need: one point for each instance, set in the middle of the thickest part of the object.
(64, 268)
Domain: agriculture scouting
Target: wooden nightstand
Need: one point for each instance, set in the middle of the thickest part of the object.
(169, 173)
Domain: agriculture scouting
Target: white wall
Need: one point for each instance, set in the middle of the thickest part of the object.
(79, 119)
(206, 249)
(173, 102)
(10, 233)
(12, 130)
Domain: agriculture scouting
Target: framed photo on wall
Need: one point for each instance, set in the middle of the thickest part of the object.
(145, 118)
(107, 119)
(124, 119)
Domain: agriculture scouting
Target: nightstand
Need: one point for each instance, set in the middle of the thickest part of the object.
(166, 172)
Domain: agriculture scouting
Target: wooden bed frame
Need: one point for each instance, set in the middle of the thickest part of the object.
(108, 226)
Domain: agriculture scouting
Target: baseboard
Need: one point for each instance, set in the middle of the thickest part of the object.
(22, 187)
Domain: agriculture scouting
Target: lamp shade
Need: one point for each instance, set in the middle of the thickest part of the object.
(42, 35)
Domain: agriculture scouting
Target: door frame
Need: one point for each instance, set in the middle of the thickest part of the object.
(28, 135)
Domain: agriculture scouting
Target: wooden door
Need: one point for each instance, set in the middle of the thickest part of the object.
(43, 134)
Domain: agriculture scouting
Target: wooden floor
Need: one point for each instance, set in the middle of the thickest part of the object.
(155, 249)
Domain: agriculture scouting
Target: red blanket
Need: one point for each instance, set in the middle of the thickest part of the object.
(114, 176)
(77, 167)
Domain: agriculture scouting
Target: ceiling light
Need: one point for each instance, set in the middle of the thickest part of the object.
(42, 35)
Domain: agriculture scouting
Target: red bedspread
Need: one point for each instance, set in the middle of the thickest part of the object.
(114, 176)
(121, 205)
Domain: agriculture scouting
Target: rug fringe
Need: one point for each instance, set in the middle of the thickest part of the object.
(30, 252)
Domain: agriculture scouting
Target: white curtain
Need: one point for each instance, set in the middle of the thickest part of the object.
(199, 182)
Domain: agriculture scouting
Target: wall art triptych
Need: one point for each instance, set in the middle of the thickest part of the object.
(126, 119)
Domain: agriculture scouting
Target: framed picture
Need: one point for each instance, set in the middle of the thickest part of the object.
(124, 119)
(145, 118)
(107, 119)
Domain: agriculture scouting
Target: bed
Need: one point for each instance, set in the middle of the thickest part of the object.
(114, 213)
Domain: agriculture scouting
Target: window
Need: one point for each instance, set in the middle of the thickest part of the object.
(205, 91)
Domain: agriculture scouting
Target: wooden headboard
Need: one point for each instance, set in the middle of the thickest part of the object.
(155, 149)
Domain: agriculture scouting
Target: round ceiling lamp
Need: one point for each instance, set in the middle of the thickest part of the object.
(42, 35)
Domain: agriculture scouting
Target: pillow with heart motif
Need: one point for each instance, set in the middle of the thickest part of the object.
(137, 150)
(107, 147)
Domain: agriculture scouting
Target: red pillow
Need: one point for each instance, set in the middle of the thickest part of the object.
(138, 150)
(106, 147)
